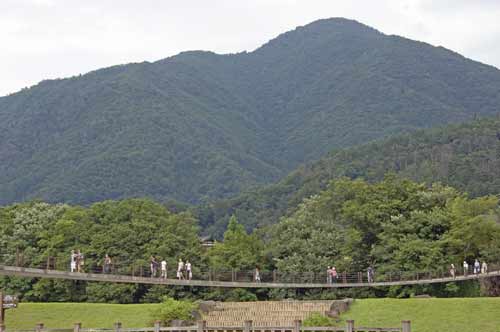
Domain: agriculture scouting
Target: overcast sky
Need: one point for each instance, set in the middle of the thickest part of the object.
(43, 39)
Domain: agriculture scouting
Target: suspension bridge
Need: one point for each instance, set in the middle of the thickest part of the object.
(243, 279)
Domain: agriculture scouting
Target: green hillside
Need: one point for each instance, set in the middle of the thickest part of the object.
(200, 126)
(465, 156)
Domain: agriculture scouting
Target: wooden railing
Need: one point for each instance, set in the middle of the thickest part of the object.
(247, 327)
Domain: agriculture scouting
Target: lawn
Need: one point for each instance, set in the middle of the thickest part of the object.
(429, 315)
(64, 315)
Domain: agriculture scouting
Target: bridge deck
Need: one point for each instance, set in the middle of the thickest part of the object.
(55, 274)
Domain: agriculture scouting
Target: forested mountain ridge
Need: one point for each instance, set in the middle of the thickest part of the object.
(465, 156)
(200, 126)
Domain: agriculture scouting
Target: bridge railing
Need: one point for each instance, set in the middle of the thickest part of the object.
(247, 327)
(143, 270)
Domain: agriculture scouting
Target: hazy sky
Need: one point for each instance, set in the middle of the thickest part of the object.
(43, 39)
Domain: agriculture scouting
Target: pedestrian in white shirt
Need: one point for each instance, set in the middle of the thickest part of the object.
(189, 273)
(164, 269)
(484, 268)
(180, 268)
(73, 261)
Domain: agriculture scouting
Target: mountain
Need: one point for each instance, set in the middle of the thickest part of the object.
(200, 126)
(465, 156)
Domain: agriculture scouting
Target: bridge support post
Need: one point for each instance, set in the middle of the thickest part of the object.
(157, 326)
(248, 326)
(39, 327)
(202, 325)
(117, 326)
(405, 326)
(350, 326)
(77, 327)
(296, 325)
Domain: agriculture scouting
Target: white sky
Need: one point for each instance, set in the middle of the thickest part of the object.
(42, 39)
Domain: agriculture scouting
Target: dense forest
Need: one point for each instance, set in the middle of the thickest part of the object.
(393, 225)
(201, 126)
(465, 156)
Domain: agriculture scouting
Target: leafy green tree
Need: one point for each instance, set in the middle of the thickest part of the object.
(239, 250)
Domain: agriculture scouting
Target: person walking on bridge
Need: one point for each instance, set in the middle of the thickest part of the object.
(164, 268)
(79, 261)
(477, 267)
(484, 268)
(369, 274)
(329, 275)
(180, 269)
(73, 261)
(452, 271)
(153, 265)
(189, 273)
(466, 268)
(107, 264)
(334, 274)
(257, 274)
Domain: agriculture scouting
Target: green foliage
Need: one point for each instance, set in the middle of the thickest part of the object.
(130, 231)
(200, 126)
(465, 157)
(317, 319)
(239, 250)
(393, 225)
(171, 309)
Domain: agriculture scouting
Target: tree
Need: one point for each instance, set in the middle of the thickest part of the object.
(239, 250)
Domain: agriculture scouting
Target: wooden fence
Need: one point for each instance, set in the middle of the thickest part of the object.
(248, 327)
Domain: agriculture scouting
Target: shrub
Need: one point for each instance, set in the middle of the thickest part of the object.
(317, 319)
(171, 309)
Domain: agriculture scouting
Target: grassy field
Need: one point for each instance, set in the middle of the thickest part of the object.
(436, 315)
(429, 315)
(64, 315)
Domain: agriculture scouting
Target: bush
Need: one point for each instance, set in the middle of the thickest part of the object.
(171, 309)
(317, 319)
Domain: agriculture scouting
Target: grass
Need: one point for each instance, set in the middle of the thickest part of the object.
(429, 315)
(443, 315)
(64, 315)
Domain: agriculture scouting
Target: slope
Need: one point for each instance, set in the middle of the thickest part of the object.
(200, 126)
(465, 156)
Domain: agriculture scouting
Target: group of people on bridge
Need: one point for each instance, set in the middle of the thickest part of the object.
(77, 261)
(477, 268)
(159, 269)
(332, 275)
(158, 266)
(184, 270)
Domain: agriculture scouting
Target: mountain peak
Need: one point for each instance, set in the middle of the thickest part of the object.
(323, 31)
(202, 126)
